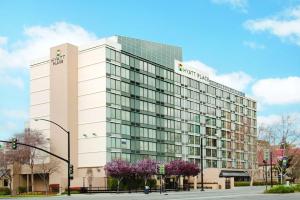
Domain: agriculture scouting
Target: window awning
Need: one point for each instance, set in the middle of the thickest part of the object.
(227, 173)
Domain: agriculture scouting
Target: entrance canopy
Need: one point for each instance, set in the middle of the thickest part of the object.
(228, 173)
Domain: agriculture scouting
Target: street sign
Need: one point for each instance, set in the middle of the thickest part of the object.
(266, 154)
(161, 169)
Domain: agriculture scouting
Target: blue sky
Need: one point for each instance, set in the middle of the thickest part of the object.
(253, 45)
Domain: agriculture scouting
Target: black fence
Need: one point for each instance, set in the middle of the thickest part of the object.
(133, 190)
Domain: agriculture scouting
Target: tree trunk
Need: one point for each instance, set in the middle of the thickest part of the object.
(118, 188)
(32, 180)
(11, 192)
(145, 180)
(46, 185)
(251, 180)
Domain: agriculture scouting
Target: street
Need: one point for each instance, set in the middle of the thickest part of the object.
(241, 193)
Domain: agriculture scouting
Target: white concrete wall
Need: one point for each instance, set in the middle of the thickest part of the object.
(92, 107)
(40, 103)
(40, 96)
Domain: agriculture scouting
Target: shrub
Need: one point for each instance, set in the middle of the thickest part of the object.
(263, 183)
(72, 192)
(4, 191)
(297, 187)
(112, 183)
(151, 183)
(22, 189)
(281, 189)
(241, 184)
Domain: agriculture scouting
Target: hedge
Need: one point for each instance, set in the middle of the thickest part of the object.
(246, 183)
(263, 183)
(72, 192)
(297, 188)
(4, 191)
(241, 184)
(22, 189)
(281, 189)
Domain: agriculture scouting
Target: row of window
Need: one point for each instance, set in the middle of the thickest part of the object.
(167, 123)
(120, 143)
(118, 128)
(133, 62)
(118, 85)
(209, 163)
(117, 70)
(117, 99)
(117, 114)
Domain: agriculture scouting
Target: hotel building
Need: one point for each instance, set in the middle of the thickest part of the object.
(127, 98)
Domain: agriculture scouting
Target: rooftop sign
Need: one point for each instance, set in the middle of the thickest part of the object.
(190, 72)
(58, 59)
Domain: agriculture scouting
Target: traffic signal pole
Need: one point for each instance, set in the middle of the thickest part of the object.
(31, 146)
(69, 164)
(69, 159)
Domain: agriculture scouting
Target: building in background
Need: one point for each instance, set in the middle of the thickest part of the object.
(292, 153)
(127, 98)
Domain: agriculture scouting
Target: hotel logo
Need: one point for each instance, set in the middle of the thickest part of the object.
(59, 59)
(180, 67)
(190, 72)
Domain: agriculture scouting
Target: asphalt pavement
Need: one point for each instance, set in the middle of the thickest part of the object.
(240, 193)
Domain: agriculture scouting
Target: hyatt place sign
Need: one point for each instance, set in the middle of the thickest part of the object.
(59, 59)
(190, 72)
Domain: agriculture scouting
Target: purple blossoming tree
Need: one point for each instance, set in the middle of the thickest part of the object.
(179, 168)
(145, 168)
(119, 169)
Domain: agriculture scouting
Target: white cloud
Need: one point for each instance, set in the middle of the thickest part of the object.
(276, 91)
(7, 129)
(14, 114)
(285, 25)
(237, 80)
(268, 120)
(3, 40)
(277, 119)
(38, 41)
(8, 80)
(240, 5)
(253, 45)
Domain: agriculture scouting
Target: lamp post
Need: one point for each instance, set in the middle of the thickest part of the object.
(68, 133)
(201, 152)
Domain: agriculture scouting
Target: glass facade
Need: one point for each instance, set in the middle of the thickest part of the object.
(156, 113)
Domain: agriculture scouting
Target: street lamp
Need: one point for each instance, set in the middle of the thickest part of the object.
(68, 133)
(201, 160)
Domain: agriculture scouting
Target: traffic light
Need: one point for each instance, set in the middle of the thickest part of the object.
(14, 143)
(71, 171)
(284, 162)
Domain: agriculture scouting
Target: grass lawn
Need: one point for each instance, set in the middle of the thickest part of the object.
(23, 196)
